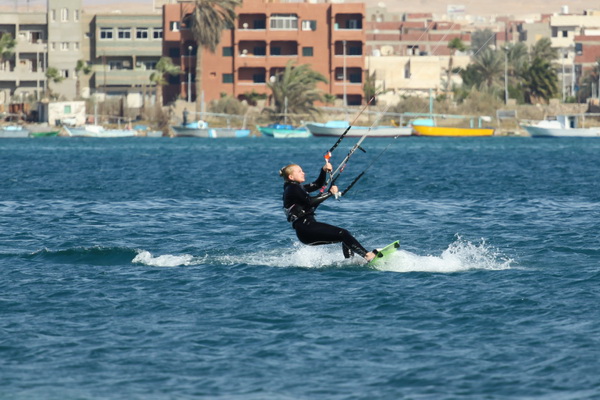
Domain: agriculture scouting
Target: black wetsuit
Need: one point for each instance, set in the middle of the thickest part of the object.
(300, 207)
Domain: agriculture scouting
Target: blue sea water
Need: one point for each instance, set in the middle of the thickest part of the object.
(164, 268)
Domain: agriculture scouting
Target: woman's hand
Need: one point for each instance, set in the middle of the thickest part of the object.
(327, 167)
(334, 189)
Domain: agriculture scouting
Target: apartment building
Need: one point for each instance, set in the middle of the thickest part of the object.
(123, 53)
(22, 75)
(65, 36)
(330, 37)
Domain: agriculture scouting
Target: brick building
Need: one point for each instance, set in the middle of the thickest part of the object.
(330, 37)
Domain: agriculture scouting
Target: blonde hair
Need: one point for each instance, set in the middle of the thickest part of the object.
(286, 171)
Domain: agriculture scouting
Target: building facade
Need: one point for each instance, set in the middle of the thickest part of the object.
(330, 37)
(22, 74)
(65, 37)
(123, 53)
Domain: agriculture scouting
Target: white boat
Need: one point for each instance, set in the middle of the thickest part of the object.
(97, 131)
(201, 129)
(336, 128)
(563, 126)
(13, 132)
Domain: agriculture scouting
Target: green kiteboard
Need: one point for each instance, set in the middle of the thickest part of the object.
(383, 254)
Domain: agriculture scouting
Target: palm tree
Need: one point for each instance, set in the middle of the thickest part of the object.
(489, 65)
(53, 76)
(541, 82)
(454, 45)
(517, 60)
(294, 91)
(590, 81)
(164, 66)
(7, 47)
(82, 67)
(209, 19)
(543, 50)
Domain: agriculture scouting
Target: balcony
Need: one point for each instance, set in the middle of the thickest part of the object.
(122, 77)
(252, 77)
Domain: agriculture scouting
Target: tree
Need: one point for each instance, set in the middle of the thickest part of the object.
(370, 88)
(517, 61)
(482, 39)
(541, 82)
(7, 46)
(489, 66)
(82, 67)
(53, 76)
(294, 92)
(543, 50)
(589, 82)
(454, 45)
(164, 66)
(209, 19)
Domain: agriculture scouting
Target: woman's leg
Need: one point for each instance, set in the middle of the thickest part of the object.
(315, 233)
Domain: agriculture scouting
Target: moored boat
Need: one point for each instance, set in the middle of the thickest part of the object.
(13, 132)
(283, 131)
(445, 131)
(42, 130)
(336, 128)
(202, 130)
(563, 126)
(97, 131)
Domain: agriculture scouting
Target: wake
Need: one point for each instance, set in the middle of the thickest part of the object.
(461, 255)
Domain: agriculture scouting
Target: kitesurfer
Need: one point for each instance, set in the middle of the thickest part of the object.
(300, 207)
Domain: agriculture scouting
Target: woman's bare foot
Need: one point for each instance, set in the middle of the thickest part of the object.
(369, 256)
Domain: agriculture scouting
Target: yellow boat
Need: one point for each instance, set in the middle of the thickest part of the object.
(444, 131)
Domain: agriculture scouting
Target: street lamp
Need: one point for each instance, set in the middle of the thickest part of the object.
(344, 69)
(505, 74)
(189, 86)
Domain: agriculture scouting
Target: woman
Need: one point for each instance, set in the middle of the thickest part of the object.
(300, 207)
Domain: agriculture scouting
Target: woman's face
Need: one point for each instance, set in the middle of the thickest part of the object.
(297, 174)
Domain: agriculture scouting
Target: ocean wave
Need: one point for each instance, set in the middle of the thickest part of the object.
(94, 255)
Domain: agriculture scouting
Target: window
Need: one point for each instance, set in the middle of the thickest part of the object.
(258, 78)
(565, 33)
(354, 51)
(106, 33)
(260, 51)
(579, 48)
(67, 109)
(64, 73)
(308, 25)
(115, 65)
(76, 15)
(227, 51)
(75, 45)
(124, 33)
(174, 26)
(53, 46)
(64, 46)
(157, 33)
(64, 14)
(355, 78)
(352, 24)
(141, 33)
(284, 21)
(227, 78)
(53, 15)
(307, 52)
(275, 51)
